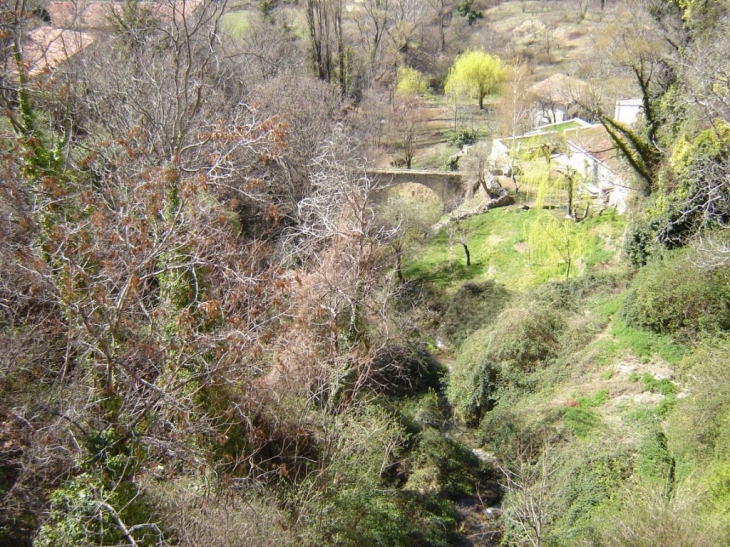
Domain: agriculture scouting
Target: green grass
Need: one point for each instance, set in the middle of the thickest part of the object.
(581, 422)
(593, 401)
(235, 23)
(645, 344)
(564, 126)
(497, 241)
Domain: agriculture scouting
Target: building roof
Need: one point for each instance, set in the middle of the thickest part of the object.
(99, 15)
(48, 47)
(595, 141)
(559, 89)
(76, 25)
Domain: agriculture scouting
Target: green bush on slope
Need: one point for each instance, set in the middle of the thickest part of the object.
(673, 296)
(502, 357)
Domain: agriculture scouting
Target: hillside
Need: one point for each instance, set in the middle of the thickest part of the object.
(222, 324)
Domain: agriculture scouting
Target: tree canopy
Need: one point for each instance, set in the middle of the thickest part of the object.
(476, 74)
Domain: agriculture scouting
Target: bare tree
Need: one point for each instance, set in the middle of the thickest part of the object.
(407, 118)
(324, 19)
(266, 50)
(514, 113)
(374, 24)
(441, 12)
(530, 500)
(137, 262)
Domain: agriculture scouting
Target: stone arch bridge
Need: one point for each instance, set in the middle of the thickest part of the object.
(449, 186)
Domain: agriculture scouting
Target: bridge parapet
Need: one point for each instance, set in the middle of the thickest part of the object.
(447, 185)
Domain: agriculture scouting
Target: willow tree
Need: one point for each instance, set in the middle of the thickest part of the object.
(475, 74)
(555, 241)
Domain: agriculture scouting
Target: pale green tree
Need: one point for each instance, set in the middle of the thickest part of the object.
(555, 241)
(475, 74)
(411, 82)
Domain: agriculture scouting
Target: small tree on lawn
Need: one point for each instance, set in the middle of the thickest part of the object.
(476, 74)
(408, 220)
(554, 240)
(407, 119)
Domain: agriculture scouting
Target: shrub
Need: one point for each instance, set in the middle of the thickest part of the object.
(639, 242)
(467, 11)
(526, 337)
(580, 421)
(411, 82)
(472, 390)
(674, 296)
(572, 294)
(463, 136)
(87, 510)
(653, 460)
(646, 517)
(400, 370)
(502, 358)
(474, 306)
(508, 432)
(427, 410)
(698, 428)
(450, 468)
(591, 479)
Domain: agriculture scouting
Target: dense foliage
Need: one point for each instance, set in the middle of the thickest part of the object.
(218, 327)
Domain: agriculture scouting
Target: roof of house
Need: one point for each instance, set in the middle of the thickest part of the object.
(48, 47)
(559, 89)
(99, 15)
(595, 141)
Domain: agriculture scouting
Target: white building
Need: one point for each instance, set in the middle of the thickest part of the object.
(585, 148)
(628, 111)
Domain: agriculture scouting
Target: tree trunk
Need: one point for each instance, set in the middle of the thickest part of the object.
(468, 255)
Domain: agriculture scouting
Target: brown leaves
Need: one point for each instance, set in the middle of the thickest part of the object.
(211, 309)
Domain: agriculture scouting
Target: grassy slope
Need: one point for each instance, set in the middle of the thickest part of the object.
(606, 403)
(500, 251)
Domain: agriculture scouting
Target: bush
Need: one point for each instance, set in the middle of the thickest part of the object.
(474, 306)
(674, 296)
(86, 510)
(591, 479)
(400, 370)
(411, 82)
(446, 467)
(572, 294)
(653, 460)
(361, 517)
(502, 358)
(526, 337)
(639, 242)
(472, 390)
(465, 9)
(506, 431)
(462, 137)
(647, 517)
(698, 428)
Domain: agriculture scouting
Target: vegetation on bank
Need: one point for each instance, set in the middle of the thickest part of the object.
(217, 330)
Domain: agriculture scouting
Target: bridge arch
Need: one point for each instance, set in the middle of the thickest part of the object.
(447, 185)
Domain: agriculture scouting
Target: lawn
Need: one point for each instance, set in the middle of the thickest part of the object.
(499, 244)
(235, 23)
